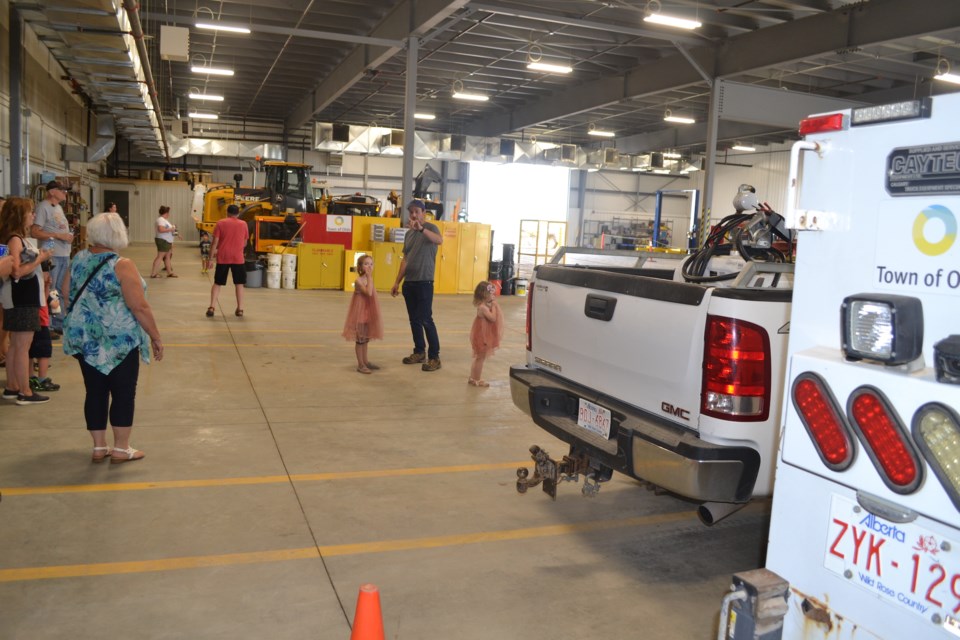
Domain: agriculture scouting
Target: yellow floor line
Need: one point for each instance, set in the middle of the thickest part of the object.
(196, 562)
(9, 492)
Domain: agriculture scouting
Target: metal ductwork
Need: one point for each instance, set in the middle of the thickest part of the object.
(100, 148)
(180, 147)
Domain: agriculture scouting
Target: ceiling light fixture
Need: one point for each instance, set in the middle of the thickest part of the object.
(943, 72)
(672, 21)
(203, 116)
(669, 117)
(672, 154)
(475, 97)
(221, 27)
(424, 116)
(742, 147)
(601, 133)
(549, 68)
(205, 96)
(213, 71)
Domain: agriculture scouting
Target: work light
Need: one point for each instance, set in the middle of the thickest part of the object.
(882, 328)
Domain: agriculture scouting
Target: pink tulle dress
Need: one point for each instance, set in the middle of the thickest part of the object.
(485, 335)
(364, 321)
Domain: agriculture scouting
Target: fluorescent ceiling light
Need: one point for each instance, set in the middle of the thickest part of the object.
(221, 27)
(742, 147)
(214, 71)
(671, 21)
(602, 134)
(671, 154)
(948, 77)
(205, 96)
(476, 97)
(550, 68)
(203, 116)
(679, 119)
(661, 170)
(424, 116)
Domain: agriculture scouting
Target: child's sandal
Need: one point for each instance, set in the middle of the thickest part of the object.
(477, 383)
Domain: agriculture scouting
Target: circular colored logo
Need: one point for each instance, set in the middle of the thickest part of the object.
(339, 221)
(945, 216)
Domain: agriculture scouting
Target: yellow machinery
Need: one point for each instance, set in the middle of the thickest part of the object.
(273, 210)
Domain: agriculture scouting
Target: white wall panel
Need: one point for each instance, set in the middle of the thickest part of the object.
(146, 196)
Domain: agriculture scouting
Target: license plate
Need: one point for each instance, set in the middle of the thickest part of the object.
(905, 564)
(593, 417)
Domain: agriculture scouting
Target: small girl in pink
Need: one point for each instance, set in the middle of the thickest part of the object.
(364, 322)
(486, 332)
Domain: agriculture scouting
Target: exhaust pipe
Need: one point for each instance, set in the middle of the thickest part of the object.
(713, 512)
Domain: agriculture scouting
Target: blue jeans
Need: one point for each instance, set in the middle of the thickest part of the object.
(61, 264)
(419, 298)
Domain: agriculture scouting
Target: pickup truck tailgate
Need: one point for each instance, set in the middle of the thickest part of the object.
(664, 327)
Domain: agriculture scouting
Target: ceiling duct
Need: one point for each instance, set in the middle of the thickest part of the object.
(102, 145)
(180, 147)
(611, 157)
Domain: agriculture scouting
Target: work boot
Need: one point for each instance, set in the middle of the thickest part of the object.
(415, 358)
(431, 365)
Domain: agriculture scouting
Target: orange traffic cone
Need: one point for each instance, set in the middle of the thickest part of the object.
(367, 621)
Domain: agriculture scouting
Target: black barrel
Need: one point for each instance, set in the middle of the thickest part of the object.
(509, 283)
(508, 250)
(495, 270)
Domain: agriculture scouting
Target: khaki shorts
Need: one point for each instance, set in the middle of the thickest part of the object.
(162, 245)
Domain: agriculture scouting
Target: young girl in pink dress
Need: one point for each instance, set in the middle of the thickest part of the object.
(364, 322)
(486, 331)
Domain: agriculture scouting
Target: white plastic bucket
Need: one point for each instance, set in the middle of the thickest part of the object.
(289, 262)
(273, 279)
(273, 261)
(522, 286)
(288, 280)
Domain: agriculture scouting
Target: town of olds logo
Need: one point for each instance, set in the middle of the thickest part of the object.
(944, 215)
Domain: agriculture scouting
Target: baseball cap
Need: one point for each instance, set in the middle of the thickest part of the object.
(53, 184)
(417, 203)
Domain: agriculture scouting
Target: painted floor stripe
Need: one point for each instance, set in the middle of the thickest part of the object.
(8, 492)
(197, 562)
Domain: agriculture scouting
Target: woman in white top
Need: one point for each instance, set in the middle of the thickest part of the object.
(164, 240)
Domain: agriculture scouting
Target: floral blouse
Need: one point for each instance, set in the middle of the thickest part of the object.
(100, 327)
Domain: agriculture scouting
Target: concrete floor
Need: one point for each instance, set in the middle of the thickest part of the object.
(278, 480)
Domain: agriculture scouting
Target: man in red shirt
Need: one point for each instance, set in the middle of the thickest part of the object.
(229, 239)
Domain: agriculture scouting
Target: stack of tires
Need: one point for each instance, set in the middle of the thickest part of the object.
(508, 270)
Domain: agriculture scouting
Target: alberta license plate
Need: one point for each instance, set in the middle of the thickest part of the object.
(902, 563)
(594, 418)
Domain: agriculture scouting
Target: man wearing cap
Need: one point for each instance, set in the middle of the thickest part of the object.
(49, 223)
(416, 271)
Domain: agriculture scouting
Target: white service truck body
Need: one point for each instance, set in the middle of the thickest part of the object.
(865, 528)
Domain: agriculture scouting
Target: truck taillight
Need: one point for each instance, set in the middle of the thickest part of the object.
(736, 370)
(885, 440)
(529, 314)
(936, 429)
(823, 420)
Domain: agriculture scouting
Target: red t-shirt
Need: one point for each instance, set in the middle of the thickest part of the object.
(232, 237)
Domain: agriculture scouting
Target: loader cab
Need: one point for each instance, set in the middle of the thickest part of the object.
(289, 187)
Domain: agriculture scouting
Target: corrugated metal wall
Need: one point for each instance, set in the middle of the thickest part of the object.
(146, 196)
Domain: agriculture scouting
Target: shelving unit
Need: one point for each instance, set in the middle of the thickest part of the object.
(625, 232)
(539, 240)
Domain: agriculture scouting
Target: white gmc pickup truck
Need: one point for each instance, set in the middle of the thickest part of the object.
(672, 382)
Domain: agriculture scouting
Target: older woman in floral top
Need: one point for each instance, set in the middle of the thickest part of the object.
(109, 328)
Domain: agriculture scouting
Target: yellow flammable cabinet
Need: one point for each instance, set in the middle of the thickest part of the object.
(386, 264)
(350, 268)
(448, 253)
(363, 231)
(474, 255)
(320, 266)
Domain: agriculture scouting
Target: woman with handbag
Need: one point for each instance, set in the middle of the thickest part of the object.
(21, 297)
(109, 328)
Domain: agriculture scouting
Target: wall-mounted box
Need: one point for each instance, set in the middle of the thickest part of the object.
(174, 43)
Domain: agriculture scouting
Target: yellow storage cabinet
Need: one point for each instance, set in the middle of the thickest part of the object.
(474, 255)
(320, 266)
(386, 264)
(350, 268)
(448, 255)
(363, 231)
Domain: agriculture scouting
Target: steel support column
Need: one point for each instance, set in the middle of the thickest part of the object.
(16, 103)
(713, 122)
(409, 109)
